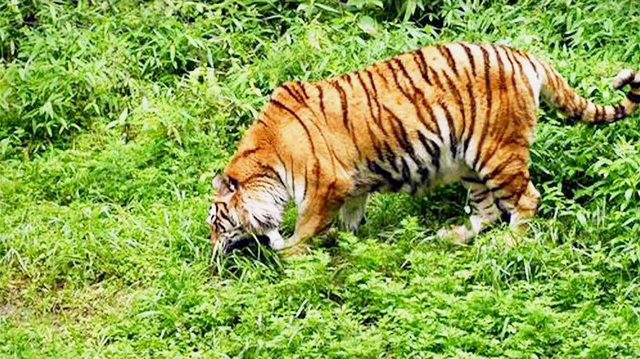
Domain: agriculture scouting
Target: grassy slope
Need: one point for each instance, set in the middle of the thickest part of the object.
(103, 247)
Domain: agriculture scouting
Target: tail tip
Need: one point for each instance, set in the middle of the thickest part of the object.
(626, 77)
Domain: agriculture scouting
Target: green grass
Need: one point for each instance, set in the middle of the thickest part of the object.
(114, 117)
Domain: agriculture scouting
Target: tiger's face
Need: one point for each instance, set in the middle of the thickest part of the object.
(224, 225)
(224, 231)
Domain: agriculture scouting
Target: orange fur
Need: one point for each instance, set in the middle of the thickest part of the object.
(435, 115)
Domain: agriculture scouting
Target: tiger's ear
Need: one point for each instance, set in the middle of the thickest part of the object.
(224, 185)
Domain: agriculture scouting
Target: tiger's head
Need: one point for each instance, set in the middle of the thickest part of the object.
(223, 218)
(241, 212)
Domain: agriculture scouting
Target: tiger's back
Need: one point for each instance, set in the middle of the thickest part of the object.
(431, 116)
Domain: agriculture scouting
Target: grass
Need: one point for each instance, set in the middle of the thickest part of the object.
(114, 117)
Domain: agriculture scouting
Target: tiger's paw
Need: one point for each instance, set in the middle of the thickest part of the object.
(516, 236)
(295, 250)
(459, 235)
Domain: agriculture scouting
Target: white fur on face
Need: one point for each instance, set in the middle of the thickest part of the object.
(211, 217)
(265, 209)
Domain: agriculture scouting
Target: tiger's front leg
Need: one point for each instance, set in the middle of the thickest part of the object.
(320, 204)
(276, 242)
(310, 222)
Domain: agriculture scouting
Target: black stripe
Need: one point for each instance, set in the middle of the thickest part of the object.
(436, 78)
(497, 142)
(505, 183)
(386, 175)
(343, 102)
(304, 195)
(246, 153)
(412, 99)
(517, 194)
(473, 180)
(335, 156)
(287, 109)
(395, 79)
(582, 106)
(292, 93)
(384, 79)
(487, 206)
(551, 76)
(446, 53)
(348, 78)
(403, 136)
(406, 176)
(487, 117)
(433, 119)
(321, 97)
(459, 102)
(223, 215)
(524, 78)
(483, 193)
(372, 137)
(478, 199)
(375, 99)
(406, 74)
(635, 98)
(421, 67)
(316, 166)
(432, 149)
(417, 92)
(517, 96)
(366, 91)
(499, 168)
(390, 157)
(424, 174)
(304, 91)
(379, 152)
(533, 64)
(503, 80)
(299, 92)
(270, 173)
(472, 106)
(472, 61)
(453, 143)
(425, 75)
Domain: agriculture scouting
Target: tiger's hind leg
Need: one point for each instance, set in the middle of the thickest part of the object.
(485, 212)
(352, 212)
(511, 187)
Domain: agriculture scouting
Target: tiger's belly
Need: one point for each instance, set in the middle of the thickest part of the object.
(412, 173)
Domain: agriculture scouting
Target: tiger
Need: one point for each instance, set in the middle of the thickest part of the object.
(436, 115)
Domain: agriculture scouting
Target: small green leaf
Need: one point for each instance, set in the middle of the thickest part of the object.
(368, 25)
(582, 219)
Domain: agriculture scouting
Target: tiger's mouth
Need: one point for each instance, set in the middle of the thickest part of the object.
(223, 247)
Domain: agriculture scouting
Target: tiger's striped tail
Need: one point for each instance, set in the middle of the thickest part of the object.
(556, 90)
